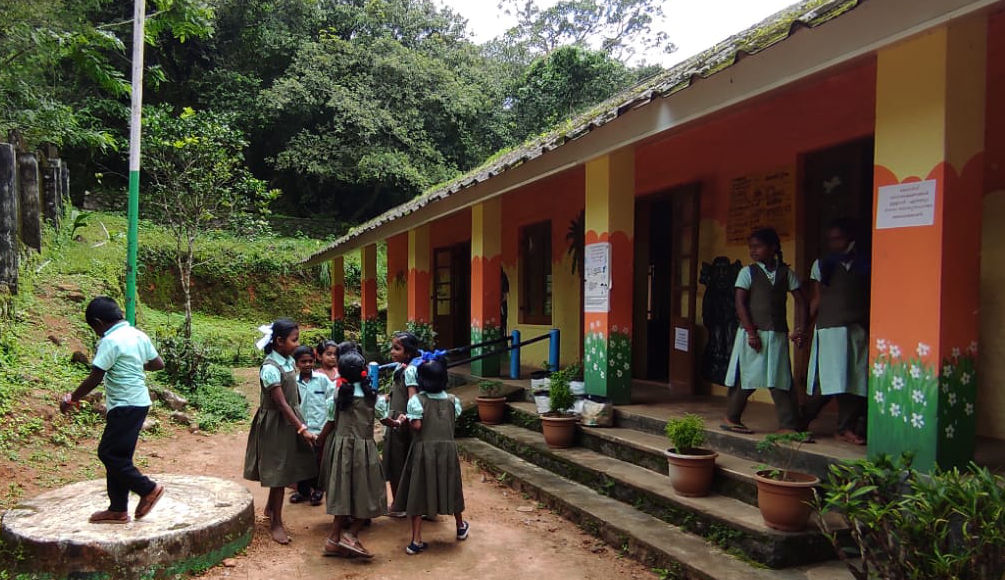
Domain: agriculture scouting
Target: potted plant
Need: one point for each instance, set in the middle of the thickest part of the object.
(540, 382)
(691, 468)
(559, 424)
(576, 383)
(491, 403)
(785, 496)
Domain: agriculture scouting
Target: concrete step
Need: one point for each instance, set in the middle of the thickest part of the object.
(810, 458)
(726, 521)
(644, 537)
(734, 475)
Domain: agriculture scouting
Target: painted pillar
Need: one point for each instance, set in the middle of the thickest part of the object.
(610, 224)
(368, 299)
(338, 298)
(397, 283)
(486, 282)
(419, 282)
(926, 258)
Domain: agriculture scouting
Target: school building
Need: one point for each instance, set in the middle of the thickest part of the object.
(888, 111)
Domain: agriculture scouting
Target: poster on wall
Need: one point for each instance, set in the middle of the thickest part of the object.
(681, 339)
(906, 205)
(761, 200)
(597, 277)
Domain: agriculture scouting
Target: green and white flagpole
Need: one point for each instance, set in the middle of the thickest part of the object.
(135, 119)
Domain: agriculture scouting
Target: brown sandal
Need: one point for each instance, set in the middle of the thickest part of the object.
(148, 502)
(109, 517)
(353, 545)
(338, 552)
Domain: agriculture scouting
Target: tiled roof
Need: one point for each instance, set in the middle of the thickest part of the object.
(720, 56)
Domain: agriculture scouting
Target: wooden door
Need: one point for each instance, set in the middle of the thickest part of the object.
(452, 295)
(686, 216)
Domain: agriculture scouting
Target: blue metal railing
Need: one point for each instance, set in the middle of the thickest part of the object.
(512, 343)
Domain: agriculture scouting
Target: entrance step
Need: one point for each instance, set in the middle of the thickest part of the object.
(734, 475)
(730, 523)
(810, 458)
(640, 535)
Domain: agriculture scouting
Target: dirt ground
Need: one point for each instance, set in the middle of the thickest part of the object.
(511, 537)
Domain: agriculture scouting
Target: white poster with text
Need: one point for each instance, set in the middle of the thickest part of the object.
(906, 205)
(597, 277)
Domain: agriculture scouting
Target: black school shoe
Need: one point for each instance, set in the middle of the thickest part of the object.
(462, 531)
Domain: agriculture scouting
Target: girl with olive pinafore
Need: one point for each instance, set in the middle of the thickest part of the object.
(404, 384)
(280, 448)
(350, 467)
(431, 481)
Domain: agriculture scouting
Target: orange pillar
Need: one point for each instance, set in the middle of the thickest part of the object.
(926, 244)
(368, 299)
(419, 280)
(337, 275)
(486, 283)
(397, 283)
(608, 275)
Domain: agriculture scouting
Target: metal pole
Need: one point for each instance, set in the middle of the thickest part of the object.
(514, 356)
(553, 349)
(135, 117)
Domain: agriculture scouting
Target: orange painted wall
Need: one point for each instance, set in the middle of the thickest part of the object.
(558, 198)
(760, 136)
(453, 229)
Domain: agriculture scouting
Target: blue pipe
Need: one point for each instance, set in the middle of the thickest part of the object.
(373, 373)
(514, 356)
(553, 349)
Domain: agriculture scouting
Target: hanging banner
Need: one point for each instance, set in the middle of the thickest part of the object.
(597, 277)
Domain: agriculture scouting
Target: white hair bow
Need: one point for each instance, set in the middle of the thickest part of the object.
(266, 330)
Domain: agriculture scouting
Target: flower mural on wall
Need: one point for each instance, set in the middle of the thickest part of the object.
(914, 394)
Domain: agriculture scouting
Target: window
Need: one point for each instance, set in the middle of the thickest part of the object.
(535, 274)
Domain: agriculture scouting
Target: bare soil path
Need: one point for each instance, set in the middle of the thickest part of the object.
(511, 537)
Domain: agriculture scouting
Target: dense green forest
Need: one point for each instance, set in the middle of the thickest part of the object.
(340, 108)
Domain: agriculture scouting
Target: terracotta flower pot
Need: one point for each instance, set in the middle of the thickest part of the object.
(785, 505)
(691, 473)
(491, 410)
(559, 432)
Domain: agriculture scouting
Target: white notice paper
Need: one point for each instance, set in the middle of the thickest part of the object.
(681, 339)
(597, 277)
(906, 205)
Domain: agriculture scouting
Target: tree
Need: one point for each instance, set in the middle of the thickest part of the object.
(606, 24)
(568, 80)
(196, 181)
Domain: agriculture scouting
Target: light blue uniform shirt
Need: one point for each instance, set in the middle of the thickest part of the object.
(122, 352)
(414, 410)
(379, 409)
(743, 279)
(270, 375)
(314, 396)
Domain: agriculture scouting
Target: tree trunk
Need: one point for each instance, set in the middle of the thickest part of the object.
(185, 269)
(8, 224)
(50, 191)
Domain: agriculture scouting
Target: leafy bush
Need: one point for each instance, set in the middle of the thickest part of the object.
(912, 526)
(686, 433)
(784, 446)
(559, 394)
(424, 332)
(218, 405)
(219, 375)
(490, 389)
(186, 364)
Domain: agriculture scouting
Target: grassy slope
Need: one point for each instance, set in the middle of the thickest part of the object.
(39, 448)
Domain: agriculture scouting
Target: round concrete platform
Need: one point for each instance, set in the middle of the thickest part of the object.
(199, 522)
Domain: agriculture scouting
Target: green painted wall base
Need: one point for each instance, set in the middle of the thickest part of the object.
(486, 367)
(607, 367)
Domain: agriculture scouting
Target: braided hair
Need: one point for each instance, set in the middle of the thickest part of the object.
(352, 370)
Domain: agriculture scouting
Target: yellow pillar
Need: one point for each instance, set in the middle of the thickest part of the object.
(397, 283)
(368, 299)
(337, 274)
(420, 282)
(610, 228)
(930, 93)
(486, 282)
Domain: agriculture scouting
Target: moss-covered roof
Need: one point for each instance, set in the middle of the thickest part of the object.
(720, 56)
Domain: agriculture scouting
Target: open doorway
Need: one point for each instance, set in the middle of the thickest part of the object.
(666, 240)
(452, 295)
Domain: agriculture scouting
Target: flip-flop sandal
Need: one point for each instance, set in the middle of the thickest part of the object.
(736, 428)
(353, 546)
(338, 552)
(297, 498)
(148, 502)
(107, 517)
